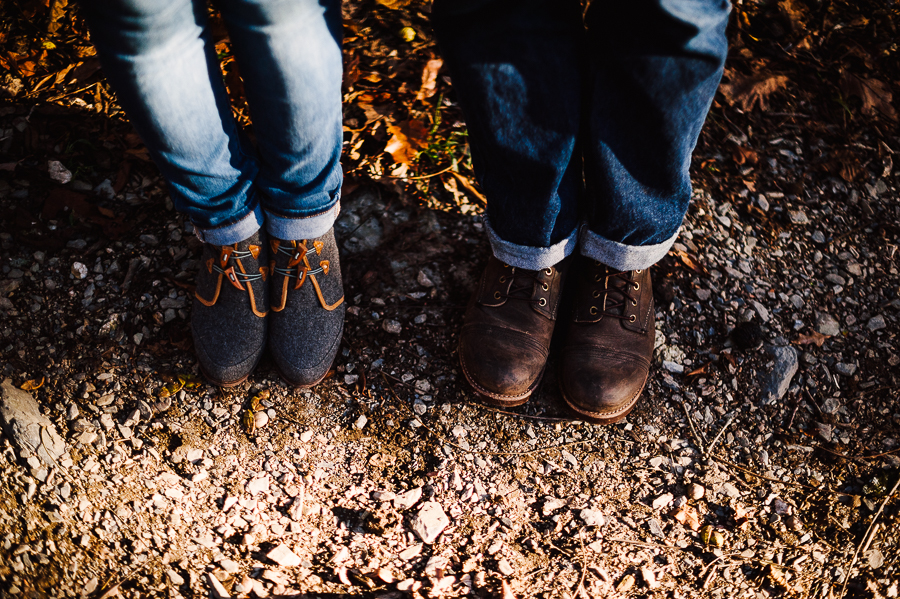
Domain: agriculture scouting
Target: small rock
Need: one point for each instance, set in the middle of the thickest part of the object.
(79, 270)
(761, 310)
(504, 567)
(551, 505)
(215, 587)
(845, 369)
(392, 326)
(876, 323)
(423, 280)
(673, 367)
(58, 172)
(625, 584)
(835, 279)
(876, 559)
(592, 517)
(283, 556)
(662, 501)
(696, 491)
(406, 500)
(429, 522)
(360, 422)
(342, 555)
(649, 578)
(260, 418)
(33, 433)
(798, 217)
(823, 430)
(258, 485)
(826, 324)
(777, 380)
(175, 578)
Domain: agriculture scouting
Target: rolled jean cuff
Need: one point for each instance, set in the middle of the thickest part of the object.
(306, 227)
(621, 256)
(531, 257)
(233, 232)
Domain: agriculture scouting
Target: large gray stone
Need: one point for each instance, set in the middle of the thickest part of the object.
(32, 433)
(777, 381)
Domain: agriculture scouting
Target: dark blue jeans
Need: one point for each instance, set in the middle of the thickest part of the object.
(582, 126)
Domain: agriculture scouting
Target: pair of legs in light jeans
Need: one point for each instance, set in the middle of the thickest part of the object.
(160, 59)
(270, 273)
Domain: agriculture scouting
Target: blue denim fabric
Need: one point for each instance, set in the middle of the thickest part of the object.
(159, 57)
(584, 119)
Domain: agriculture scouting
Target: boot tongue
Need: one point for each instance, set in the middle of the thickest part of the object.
(522, 286)
(617, 287)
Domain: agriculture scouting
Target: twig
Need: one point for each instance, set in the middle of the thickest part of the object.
(716, 438)
(868, 532)
(421, 176)
(583, 562)
(768, 478)
(693, 430)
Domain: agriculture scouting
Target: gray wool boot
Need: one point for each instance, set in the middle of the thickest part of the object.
(230, 306)
(307, 307)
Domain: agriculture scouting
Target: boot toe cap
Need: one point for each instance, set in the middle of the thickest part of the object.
(603, 386)
(502, 364)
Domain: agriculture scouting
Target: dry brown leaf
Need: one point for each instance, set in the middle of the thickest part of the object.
(32, 385)
(687, 516)
(429, 78)
(752, 90)
(744, 155)
(876, 95)
(470, 187)
(815, 337)
(405, 141)
(689, 261)
(395, 4)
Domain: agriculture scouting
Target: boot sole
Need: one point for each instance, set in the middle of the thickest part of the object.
(610, 417)
(221, 383)
(503, 401)
(294, 385)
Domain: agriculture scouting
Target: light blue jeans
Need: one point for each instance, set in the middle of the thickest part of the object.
(160, 59)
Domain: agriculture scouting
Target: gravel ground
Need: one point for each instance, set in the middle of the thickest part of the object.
(762, 459)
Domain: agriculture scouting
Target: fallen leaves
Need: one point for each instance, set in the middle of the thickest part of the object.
(815, 337)
(752, 90)
(687, 516)
(875, 95)
(429, 78)
(32, 385)
(406, 140)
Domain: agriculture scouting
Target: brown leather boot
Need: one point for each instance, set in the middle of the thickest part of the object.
(507, 328)
(609, 343)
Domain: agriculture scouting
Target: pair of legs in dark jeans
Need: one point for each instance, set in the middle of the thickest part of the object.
(582, 126)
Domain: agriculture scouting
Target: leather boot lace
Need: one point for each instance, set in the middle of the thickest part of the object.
(229, 265)
(612, 293)
(522, 286)
(299, 268)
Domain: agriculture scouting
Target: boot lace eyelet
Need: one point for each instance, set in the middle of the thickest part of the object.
(632, 318)
(593, 310)
(496, 295)
(596, 294)
(638, 271)
(548, 271)
(634, 302)
(597, 278)
(637, 286)
(545, 286)
(502, 279)
(542, 302)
